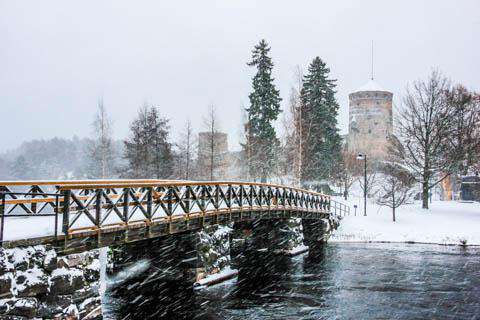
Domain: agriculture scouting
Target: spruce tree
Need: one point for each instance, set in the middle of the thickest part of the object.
(21, 168)
(135, 147)
(262, 142)
(161, 165)
(322, 143)
(147, 150)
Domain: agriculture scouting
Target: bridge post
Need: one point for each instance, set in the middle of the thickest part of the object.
(98, 206)
(187, 200)
(169, 201)
(126, 204)
(66, 210)
(33, 191)
(149, 202)
(2, 213)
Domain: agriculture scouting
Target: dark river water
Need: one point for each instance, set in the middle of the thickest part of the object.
(342, 281)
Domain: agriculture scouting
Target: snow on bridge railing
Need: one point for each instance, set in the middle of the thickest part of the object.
(103, 204)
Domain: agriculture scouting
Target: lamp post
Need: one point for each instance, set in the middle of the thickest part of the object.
(363, 157)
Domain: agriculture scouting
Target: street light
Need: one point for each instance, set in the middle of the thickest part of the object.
(363, 157)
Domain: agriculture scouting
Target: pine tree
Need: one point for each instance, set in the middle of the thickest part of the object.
(147, 150)
(135, 147)
(262, 142)
(4, 169)
(322, 143)
(21, 169)
(161, 165)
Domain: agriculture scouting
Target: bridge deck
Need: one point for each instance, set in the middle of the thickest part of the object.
(97, 213)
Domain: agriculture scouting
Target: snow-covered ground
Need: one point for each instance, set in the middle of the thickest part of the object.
(446, 222)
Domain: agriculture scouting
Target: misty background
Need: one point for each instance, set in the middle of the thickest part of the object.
(58, 58)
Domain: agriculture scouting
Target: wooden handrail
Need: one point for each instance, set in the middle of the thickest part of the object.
(75, 182)
(171, 183)
(32, 200)
(141, 183)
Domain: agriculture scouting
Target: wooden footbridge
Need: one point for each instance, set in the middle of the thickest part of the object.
(94, 213)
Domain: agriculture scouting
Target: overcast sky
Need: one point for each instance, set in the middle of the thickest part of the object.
(58, 57)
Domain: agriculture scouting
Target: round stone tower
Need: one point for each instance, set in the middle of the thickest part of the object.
(370, 120)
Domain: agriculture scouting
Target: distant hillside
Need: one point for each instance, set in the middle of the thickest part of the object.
(55, 158)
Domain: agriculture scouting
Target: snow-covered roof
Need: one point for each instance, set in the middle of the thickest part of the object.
(370, 86)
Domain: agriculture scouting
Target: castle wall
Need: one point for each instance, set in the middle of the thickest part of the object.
(370, 122)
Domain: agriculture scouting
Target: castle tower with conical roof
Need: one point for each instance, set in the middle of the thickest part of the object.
(370, 120)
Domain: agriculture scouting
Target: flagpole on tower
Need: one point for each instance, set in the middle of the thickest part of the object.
(372, 60)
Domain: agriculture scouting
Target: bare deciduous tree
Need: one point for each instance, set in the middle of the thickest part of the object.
(466, 130)
(102, 151)
(349, 171)
(186, 147)
(291, 157)
(296, 111)
(372, 179)
(395, 187)
(208, 148)
(425, 129)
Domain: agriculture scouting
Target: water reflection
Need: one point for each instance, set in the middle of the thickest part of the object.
(261, 273)
(337, 282)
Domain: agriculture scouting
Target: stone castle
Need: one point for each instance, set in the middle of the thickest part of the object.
(370, 120)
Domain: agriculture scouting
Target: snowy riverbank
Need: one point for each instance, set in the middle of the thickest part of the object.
(446, 222)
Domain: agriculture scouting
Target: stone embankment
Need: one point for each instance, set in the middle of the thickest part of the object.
(36, 283)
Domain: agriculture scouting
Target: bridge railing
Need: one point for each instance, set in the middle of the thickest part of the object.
(339, 209)
(6, 212)
(100, 205)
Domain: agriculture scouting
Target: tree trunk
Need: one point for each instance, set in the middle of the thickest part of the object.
(393, 204)
(425, 195)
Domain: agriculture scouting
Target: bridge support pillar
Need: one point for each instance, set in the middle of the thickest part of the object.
(169, 258)
(273, 236)
(315, 232)
(152, 275)
(160, 273)
(36, 282)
